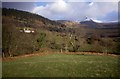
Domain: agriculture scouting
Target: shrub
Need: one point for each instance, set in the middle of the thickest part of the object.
(41, 40)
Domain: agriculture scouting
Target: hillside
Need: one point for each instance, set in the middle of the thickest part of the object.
(70, 24)
(110, 25)
(28, 19)
(16, 41)
(25, 33)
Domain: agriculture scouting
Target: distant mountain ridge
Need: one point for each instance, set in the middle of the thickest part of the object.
(90, 23)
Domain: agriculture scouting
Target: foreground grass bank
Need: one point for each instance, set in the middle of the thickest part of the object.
(62, 65)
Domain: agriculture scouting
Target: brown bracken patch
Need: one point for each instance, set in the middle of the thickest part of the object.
(92, 53)
(27, 55)
(46, 53)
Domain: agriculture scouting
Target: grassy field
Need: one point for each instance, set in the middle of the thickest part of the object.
(62, 65)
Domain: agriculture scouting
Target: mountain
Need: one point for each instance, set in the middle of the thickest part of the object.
(90, 23)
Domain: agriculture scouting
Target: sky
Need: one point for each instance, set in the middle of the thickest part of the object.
(70, 10)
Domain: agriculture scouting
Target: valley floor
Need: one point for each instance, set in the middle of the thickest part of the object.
(62, 65)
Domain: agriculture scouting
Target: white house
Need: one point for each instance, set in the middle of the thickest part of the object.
(27, 30)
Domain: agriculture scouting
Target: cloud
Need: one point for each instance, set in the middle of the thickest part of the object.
(57, 0)
(76, 10)
(52, 10)
(112, 16)
(91, 4)
(93, 0)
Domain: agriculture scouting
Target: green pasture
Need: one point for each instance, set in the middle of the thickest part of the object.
(62, 65)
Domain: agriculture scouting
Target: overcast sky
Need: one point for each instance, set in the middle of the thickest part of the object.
(65, 10)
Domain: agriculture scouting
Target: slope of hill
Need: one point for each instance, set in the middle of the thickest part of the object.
(110, 25)
(69, 23)
(29, 19)
(51, 35)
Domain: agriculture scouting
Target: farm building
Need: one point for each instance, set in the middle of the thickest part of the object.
(27, 30)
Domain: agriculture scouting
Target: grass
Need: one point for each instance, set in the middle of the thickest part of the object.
(62, 65)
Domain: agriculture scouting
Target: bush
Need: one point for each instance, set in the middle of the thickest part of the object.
(41, 40)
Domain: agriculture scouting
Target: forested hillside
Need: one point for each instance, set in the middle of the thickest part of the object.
(50, 36)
